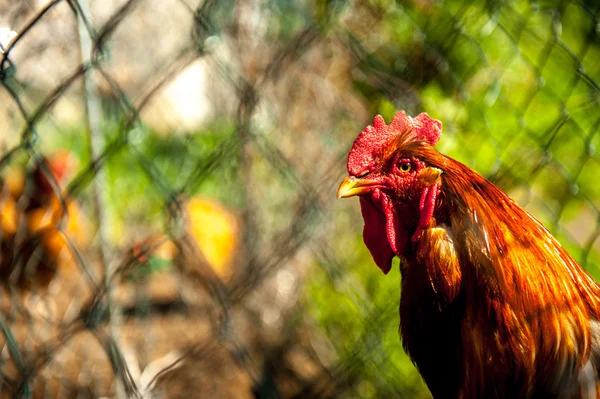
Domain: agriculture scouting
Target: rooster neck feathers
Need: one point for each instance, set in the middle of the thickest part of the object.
(521, 304)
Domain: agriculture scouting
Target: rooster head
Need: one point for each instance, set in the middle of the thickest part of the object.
(397, 189)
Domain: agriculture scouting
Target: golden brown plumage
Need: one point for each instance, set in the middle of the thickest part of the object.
(35, 224)
(491, 305)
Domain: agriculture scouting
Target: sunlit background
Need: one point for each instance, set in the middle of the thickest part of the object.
(196, 248)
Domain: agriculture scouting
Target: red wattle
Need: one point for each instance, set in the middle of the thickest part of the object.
(383, 233)
(392, 225)
(375, 237)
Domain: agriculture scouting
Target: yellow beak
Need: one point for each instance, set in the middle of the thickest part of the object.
(352, 186)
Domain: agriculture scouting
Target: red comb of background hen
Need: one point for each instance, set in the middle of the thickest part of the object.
(58, 163)
(370, 142)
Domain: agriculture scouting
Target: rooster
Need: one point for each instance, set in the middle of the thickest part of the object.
(491, 305)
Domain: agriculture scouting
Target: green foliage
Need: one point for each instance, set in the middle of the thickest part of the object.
(191, 163)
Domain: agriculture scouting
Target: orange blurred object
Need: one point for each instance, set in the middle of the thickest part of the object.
(215, 230)
(211, 233)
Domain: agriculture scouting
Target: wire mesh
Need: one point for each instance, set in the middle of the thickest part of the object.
(168, 218)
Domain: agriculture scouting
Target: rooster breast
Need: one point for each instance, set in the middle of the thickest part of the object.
(431, 312)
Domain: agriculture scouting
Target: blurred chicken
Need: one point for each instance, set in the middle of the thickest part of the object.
(35, 223)
(211, 237)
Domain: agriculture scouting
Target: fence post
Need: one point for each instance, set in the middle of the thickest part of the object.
(99, 183)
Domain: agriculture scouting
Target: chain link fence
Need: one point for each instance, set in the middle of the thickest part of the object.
(168, 217)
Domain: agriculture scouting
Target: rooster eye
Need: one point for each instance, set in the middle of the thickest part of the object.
(363, 174)
(405, 167)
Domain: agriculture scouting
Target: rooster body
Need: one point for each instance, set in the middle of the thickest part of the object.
(491, 305)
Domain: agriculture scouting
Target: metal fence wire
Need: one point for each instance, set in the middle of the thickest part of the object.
(168, 222)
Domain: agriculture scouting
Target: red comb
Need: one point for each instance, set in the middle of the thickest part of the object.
(59, 164)
(370, 141)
